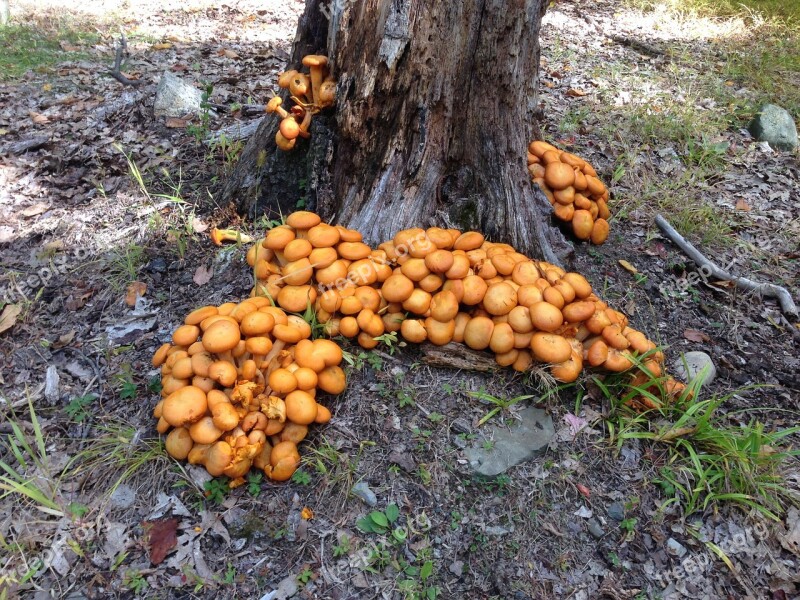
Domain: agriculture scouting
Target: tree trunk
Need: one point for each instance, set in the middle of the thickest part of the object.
(435, 108)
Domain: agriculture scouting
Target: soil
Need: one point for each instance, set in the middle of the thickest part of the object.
(585, 520)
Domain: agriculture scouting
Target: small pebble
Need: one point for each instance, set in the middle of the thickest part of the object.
(616, 511)
(675, 548)
(363, 491)
(594, 528)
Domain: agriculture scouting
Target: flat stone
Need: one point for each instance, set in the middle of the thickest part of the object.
(695, 363)
(457, 568)
(527, 438)
(363, 491)
(675, 548)
(176, 98)
(775, 126)
(287, 588)
(594, 528)
(616, 511)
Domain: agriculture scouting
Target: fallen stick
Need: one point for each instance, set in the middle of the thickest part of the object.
(115, 72)
(764, 289)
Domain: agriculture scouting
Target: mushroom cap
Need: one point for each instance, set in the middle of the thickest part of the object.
(550, 347)
(520, 319)
(303, 219)
(353, 250)
(285, 78)
(558, 175)
(474, 290)
(284, 143)
(186, 405)
(185, 335)
(289, 128)
(578, 312)
(568, 370)
(323, 236)
(529, 294)
(221, 336)
(478, 333)
(179, 443)
(599, 232)
(273, 104)
(160, 355)
(301, 408)
(418, 302)
(440, 332)
(469, 241)
(332, 380)
(257, 324)
(460, 268)
(502, 339)
(296, 298)
(196, 316)
(499, 299)
(582, 224)
(444, 306)
(546, 317)
(282, 382)
(315, 60)
(205, 431)
(414, 331)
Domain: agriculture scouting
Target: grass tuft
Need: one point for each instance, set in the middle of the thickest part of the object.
(710, 461)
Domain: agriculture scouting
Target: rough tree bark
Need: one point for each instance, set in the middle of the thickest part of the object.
(435, 108)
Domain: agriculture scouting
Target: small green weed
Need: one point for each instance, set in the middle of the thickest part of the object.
(78, 408)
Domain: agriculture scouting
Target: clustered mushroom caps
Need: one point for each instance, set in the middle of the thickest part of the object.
(572, 188)
(310, 93)
(240, 381)
(239, 388)
(443, 285)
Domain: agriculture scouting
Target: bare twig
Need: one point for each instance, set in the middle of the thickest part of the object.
(115, 72)
(638, 45)
(764, 289)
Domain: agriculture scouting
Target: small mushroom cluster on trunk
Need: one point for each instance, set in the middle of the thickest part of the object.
(240, 384)
(572, 188)
(310, 92)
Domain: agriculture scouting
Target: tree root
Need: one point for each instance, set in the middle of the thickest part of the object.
(764, 289)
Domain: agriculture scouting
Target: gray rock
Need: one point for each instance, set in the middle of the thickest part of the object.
(176, 98)
(457, 568)
(594, 528)
(775, 126)
(616, 511)
(497, 530)
(362, 490)
(287, 588)
(695, 363)
(675, 548)
(530, 436)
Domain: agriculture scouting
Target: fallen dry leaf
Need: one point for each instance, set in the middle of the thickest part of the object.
(135, 290)
(3, 131)
(38, 118)
(307, 513)
(693, 335)
(574, 93)
(584, 491)
(628, 267)
(203, 275)
(36, 209)
(227, 53)
(47, 87)
(742, 205)
(8, 317)
(176, 123)
(67, 47)
(198, 225)
(162, 536)
(161, 46)
(64, 340)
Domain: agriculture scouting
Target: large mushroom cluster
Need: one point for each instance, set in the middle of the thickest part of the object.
(444, 285)
(310, 92)
(573, 189)
(239, 388)
(240, 381)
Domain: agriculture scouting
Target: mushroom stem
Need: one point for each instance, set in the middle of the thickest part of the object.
(232, 235)
(316, 83)
(305, 125)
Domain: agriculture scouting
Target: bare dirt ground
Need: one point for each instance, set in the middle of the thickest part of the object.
(659, 121)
